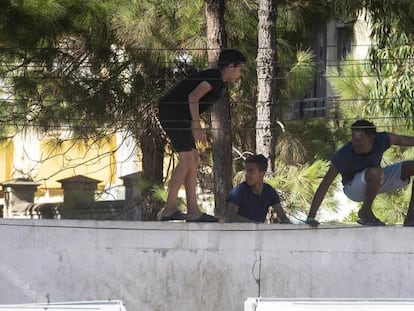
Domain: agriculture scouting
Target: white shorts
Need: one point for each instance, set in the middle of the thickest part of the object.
(391, 181)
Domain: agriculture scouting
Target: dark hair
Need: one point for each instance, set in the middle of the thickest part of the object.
(365, 126)
(258, 159)
(230, 56)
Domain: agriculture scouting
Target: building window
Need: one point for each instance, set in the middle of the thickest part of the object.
(345, 38)
(309, 108)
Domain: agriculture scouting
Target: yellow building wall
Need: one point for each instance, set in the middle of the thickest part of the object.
(6, 160)
(63, 159)
(60, 159)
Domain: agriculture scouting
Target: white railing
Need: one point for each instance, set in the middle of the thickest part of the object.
(104, 305)
(315, 107)
(274, 304)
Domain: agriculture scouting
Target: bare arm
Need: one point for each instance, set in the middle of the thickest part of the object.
(401, 140)
(194, 101)
(320, 194)
(233, 216)
(281, 215)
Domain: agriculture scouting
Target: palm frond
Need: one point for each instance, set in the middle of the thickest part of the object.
(297, 185)
(352, 84)
(291, 149)
(159, 194)
(302, 74)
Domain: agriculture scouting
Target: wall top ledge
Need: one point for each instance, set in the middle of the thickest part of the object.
(182, 226)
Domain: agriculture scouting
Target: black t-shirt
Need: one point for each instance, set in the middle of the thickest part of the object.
(175, 102)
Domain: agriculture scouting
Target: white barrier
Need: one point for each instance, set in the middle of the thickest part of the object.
(110, 305)
(274, 304)
(154, 266)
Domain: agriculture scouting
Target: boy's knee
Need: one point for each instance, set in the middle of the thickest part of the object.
(374, 175)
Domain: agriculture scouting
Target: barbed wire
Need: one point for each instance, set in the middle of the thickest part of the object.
(8, 120)
(202, 48)
(376, 74)
(11, 103)
(325, 62)
(402, 125)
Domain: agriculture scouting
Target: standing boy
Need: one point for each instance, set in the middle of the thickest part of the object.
(363, 178)
(179, 114)
(250, 201)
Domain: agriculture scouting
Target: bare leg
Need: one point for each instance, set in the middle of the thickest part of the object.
(281, 215)
(190, 184)
(409, 218)
(185, 163)
(407, 171)
(373, 177)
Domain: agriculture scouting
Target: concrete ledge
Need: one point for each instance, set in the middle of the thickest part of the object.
(156, 266)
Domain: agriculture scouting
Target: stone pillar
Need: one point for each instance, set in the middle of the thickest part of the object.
(19, 197)
(78, 194)
(133, 196)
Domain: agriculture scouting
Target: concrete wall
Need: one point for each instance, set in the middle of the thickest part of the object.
(177, 266)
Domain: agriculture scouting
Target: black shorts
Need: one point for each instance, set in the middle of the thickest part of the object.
(178, 131)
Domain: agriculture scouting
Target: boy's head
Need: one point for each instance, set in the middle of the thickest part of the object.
(363, 136)
(256, 167)
(230, 56)
(231, 62)
(364, 126)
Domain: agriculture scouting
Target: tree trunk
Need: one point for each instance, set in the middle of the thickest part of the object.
(152, 148)
(216, 31)
(220, 115)
(266, 60)
(152, 159)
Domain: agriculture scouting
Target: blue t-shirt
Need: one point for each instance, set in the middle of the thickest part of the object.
(251, 205)
(348, 163)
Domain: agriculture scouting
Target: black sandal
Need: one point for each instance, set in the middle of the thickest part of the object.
(177, 215)
(204, 218)
(370, 222)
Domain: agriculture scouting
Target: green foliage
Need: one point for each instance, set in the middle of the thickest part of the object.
(352, 81)
(300, 77)
(24, 24)
(159, 194)
(392, 207)
(297, 185)
(291, 148)
(305, 142)
(75, 73)
(160, 24)
(395, 82)
(388, 81)
(296, 67)
(351, 217)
